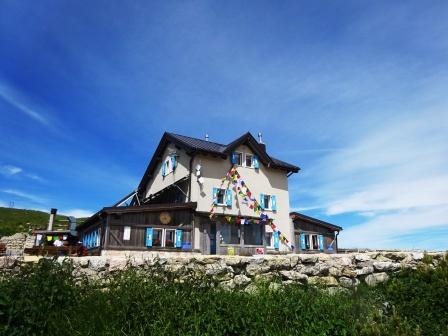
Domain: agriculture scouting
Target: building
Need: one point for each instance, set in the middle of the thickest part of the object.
(202, 197)
(314, 235)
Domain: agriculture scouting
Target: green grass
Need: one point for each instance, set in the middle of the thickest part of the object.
(46, 300)
(16, 220)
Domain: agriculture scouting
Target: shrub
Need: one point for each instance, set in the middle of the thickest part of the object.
(45, 299)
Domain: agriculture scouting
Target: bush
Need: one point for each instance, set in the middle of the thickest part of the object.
(45, 299)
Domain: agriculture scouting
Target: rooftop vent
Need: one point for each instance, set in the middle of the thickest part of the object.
(260, 141)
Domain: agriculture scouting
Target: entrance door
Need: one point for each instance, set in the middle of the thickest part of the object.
(212, 237)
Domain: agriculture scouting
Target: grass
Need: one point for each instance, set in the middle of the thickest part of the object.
(22, 220)
(45, 299)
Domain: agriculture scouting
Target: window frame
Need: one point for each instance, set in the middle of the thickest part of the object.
(241, 155)
(161, 237)
(269, 202)
(251, 160)
(230, 226)
(224, 203)
(164, 237)
(248, 226)
(312, 245)
(271, 240)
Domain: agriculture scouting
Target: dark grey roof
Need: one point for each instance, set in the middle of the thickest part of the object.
(297, 215)
(194, 145)
(200, 144)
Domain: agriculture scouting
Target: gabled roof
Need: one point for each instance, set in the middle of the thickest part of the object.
(194, 145)
(312, 220)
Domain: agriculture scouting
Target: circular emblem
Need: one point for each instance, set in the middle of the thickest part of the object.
(165, 217)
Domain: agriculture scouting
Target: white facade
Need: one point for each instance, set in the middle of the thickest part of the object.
(264, 180)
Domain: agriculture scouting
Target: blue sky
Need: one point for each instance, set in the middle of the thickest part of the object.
(355, 93)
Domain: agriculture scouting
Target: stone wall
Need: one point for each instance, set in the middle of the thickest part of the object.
(16, 243)
(337, 270)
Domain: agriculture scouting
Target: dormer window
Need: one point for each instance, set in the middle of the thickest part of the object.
(249, 160)
(237, 158)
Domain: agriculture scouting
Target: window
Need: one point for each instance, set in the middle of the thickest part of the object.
(169, 238)
(253, 234)
(315, 242)
(221, 196)
(230, 234)
(307, 242)
(249, 160)
(157, 237)
(267, 201)
(269, 239)
(238, 158)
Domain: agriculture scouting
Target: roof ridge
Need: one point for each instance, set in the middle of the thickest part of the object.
(186, 136)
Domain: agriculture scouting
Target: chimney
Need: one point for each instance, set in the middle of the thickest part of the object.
(206, 136)
(50, 222)
(260, 141)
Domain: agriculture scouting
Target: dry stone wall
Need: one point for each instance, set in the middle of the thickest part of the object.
(337, 270)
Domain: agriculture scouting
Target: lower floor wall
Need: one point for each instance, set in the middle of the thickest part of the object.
(193, 232)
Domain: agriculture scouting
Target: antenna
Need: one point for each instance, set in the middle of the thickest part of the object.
(260, 138)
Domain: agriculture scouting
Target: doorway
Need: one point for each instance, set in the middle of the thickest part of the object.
(212, 237)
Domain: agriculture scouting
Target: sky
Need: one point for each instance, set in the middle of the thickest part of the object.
(354, 93)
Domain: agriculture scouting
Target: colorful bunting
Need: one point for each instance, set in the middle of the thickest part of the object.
(241, 189)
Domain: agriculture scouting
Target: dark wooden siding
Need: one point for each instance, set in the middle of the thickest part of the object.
(301, 226)
(139, 221)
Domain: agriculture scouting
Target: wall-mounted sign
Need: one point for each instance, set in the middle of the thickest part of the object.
(127, 233)
(165, 217)
(231, 251)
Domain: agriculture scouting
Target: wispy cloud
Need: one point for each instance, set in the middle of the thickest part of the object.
(9, 170)
(17, 100)
(14, 171)
(24, 195)
(395, 177)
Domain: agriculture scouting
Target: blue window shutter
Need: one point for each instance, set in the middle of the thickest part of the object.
(215, 195)
(163, 169)
(321, 242)
(178, 238)
(148, 237)
(302, 241)
(94, 239)
(89, 240)
(262, 201)
(229, 198)
(276, 240)
(173, 161)
(256, 162)
(232, 158)
(273, 203)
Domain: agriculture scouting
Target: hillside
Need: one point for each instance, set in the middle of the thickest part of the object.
(15, 220)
